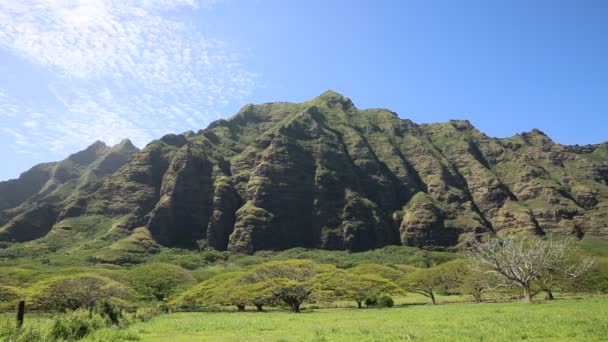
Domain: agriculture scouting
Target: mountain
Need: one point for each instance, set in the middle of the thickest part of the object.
(34, 199)
(320, 174)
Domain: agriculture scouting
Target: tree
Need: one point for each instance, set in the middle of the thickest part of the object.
(74, 293)
(350, 285)
(159, 280)
(427, 281)
(289, 281)
(210, 292)
(474, 283)
(564, 275)
(520, 263)
(239, 292)
(291, 292)
(377, 270)
(596, 280)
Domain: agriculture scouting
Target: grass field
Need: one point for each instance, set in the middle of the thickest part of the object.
(560, 320)
(584, 319)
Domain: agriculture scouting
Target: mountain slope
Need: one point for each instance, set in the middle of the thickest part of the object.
(34, 200)
(325, 174)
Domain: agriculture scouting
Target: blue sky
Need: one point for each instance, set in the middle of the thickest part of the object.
(72, 72)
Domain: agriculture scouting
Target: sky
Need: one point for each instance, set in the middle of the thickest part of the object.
(76, 71)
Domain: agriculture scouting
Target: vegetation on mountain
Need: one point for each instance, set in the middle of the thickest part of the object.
(318, 174)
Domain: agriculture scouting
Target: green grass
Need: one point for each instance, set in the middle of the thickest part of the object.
(562, 320)
(594, 246)
(575, 319)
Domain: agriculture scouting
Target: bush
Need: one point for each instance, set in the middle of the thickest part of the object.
(9, 332)
(372, 298)
(74, 325)
(385, 301)
(377, 299)
(9, 296)
(371, 301)
(110, 311)
(147, 313)
(212, 256)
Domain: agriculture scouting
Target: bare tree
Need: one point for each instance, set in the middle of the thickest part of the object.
(522, 263)
(565, 274)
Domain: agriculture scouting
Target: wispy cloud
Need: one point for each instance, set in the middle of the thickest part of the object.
(7, 108)
(119, 69)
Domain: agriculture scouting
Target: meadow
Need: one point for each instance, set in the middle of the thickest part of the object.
(572, 319)
(207, 295)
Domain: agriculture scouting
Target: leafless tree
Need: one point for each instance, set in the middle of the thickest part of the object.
(523, 263)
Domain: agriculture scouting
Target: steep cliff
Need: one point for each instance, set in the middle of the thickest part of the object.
(325, 174)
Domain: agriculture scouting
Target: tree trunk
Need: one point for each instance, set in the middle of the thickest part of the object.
(477, 297)
(549, 295)
(295, 307)
(359, 306)
(527, 294)
(240, 307)
(259, 307)
(432, 296)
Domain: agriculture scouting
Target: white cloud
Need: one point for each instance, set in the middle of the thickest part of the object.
(122, 68)
(7, 108)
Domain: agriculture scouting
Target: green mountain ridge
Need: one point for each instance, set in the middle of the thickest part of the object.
(38, 194)
(318, 174)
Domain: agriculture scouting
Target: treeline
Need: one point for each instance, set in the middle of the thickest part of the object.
(87, 300)
(518, 268)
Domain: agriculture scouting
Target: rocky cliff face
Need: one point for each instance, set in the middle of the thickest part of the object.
(325, 174)
(50, 187)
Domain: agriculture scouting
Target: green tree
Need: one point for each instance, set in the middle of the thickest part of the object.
(159, 280)
(291, 292)
(474, 283)
(596, 280)
(348, 285)
(237, 291)
(209, 292)
(376, 270)
(564, 274)
(427, 281)
(289, 281)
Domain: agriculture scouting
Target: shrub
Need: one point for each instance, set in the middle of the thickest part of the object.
(377, 299)
(385, 301)
(10, 332)
(110, 311)
(9, 296)
(371, 299)
(75, 325)
(63, 294)
(212, 256)
(147, 313)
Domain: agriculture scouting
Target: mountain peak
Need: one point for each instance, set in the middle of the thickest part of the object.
(334, 100)
(97, 145)
(89, 154)
(331, 93)
(462, 125)
(125, 145)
